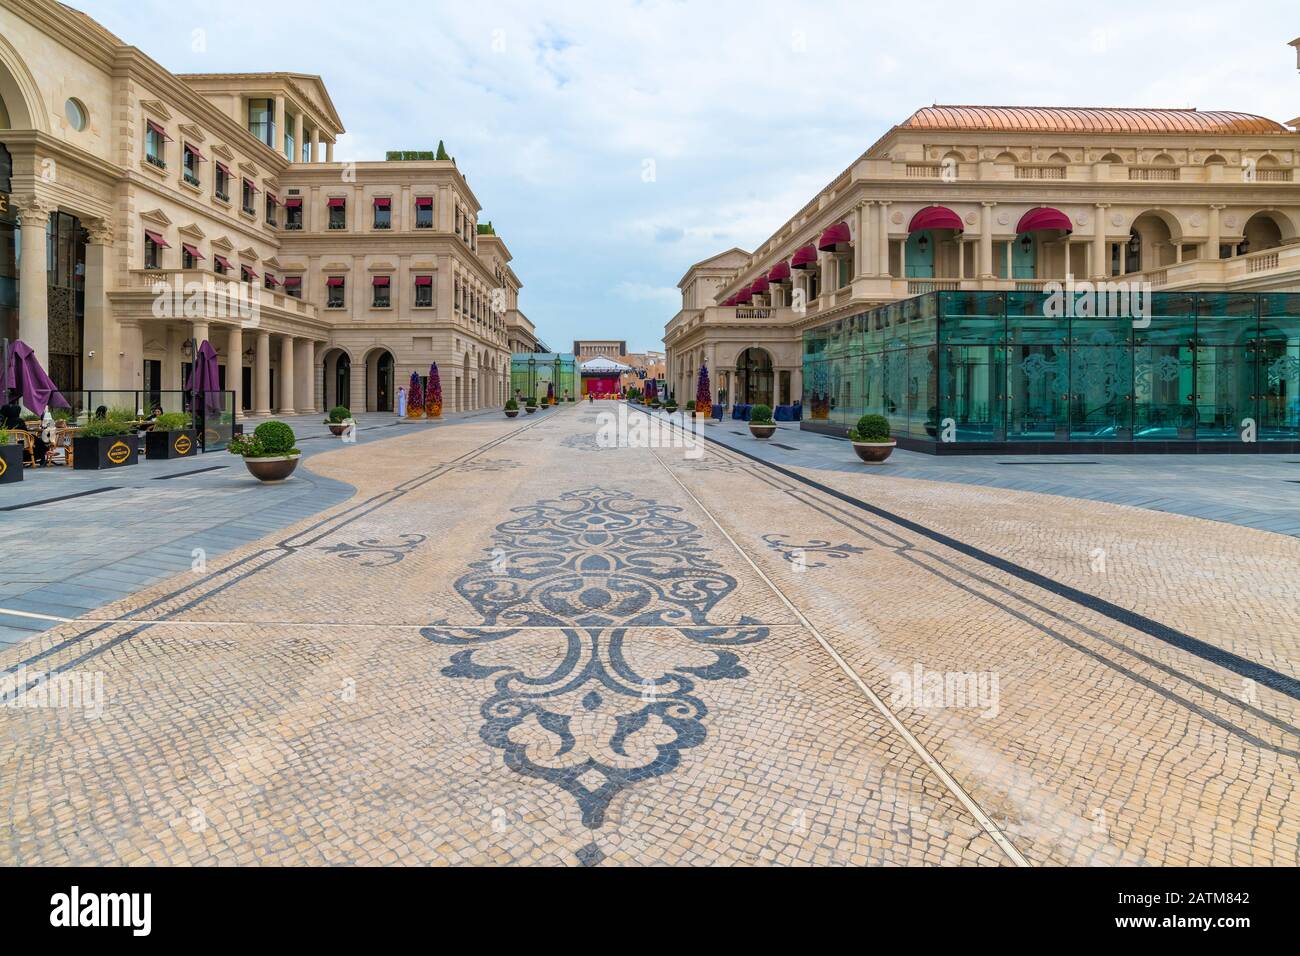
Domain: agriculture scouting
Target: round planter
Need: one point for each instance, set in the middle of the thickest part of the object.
(762, 431)
(512, 413)
(530, 409)
(874, 452)
(272, 469)
(338, 428)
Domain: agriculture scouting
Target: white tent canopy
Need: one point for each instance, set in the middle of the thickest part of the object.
(603, 366)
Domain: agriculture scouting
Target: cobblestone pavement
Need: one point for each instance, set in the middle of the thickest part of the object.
(515, 645)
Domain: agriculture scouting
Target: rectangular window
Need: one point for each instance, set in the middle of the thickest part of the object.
(424, 212)
(191, 162)
(334, 294)
(246, 274)
(423, 292)
(221, 183)
(381, 299)
(293, 213)
(249, 191)
(271, 203)
(154, 138)
(220, 265)
(289, 124)
(383, 213)
(293, 286)
(261, 120)
(338, 213)
(153, 246)
(190, 256)
(306, 145)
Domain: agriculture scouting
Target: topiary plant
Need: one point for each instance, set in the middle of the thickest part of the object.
(512, 405)
(105, 428)
(761, 415)
(171, 422)
(338, 415)
(275, 438)
(871, 428)
(690, 404)
(531, 401)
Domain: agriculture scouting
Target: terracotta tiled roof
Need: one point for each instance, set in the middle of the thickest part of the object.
(1053, 119)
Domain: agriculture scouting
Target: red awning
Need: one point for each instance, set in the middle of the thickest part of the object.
(194, 151)
(157, 128)
(334, 281)
(252, 186)
(293, 203)
(424, 280)
(743, 296)
(247, 274)
(380, 280)
(337, 203)
(759, 286)
(224, 168)
(804, 258)
(156, 239)
(935, 217)
(292, 282)
(192, 251)
(836, 235)
(1044, 217)
(271, 198)
(269, 280)
(424, 200)
(780, 272)
(729, 302)
(383, 202)
(221, 261)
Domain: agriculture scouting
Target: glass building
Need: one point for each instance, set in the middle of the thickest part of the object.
(532, 372)
(967, 372)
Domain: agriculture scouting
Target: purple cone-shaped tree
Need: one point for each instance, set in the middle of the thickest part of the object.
(703, 393)
(433, 400)
(415, 398)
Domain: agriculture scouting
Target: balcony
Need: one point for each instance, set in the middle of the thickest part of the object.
(223, 295)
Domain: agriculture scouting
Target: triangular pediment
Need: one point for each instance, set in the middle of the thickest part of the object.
(272, 263)
(249, 169)
(157, 217)
(191, 132)
(249, 253)
(337, 266)
(222, 150)
(222, 243)
(157, 108)
(192, 230)
(382, 265)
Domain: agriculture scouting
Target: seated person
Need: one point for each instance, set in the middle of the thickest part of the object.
(11, 418)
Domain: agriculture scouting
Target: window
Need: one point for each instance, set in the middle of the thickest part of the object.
(424, 292)
(154, 139)
(246, 274)
(247, 197)
(191, 162)
(424, 212)
(338, 213)
(76, 114)
(381, 299)
(269, 280)
(289, 123)
(293, 213)
(261, 120)
(306, 145)
(271, 203)
(190, 256)
(220, 265)
(221, 183)
(334, 294)
(383, 213)
(153, 246)
(293, 286)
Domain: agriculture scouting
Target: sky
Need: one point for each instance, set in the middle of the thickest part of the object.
(613, 143)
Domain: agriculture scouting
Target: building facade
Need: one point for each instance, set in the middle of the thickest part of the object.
(988, 199)
(145, 209)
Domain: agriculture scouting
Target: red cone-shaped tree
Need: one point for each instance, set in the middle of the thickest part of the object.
(433, 400)
(415, 398)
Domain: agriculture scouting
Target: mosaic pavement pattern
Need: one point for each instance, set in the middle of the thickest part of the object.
(494, 653)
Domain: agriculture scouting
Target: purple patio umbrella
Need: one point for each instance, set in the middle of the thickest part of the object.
(23, 373)
(206, 379)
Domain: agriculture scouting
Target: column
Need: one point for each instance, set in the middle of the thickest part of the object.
(287, 380)
(262, 376)
(304, 359)
(1215, 232)
(297, 138)
(863, 245)
(315, 146)
(960, 243)
(101, 333)
(882, 234)
(985, 267)
(1100, 254)
(199, 331)
(277, 144)
(329, 151)
(235, 367)
(33, 291)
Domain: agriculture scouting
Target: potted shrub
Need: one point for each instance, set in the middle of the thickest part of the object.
(671, 406)
(108, 442)
(269, 453)
(339, 420)
(11, 458)
(530, 404)
(761, 424)
(173, 436)
(871, 438)
(512, 408)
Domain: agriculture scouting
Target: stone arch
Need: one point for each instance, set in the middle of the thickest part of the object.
(22, 97)
(1267, 229)
(1215, 159)
(338, 372)
(1158, 232)
(1112, 158)
(381, 379)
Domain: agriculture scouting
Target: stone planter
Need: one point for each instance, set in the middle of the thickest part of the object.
(11, 464)
(762, 431)
(160, 446)
(112, 451)
(874, 452)
(512, 413)
(272, 469)
(338, 428)
(530, 409)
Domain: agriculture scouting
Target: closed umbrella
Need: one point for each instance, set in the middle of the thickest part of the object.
(23, 373)
(206, 379)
